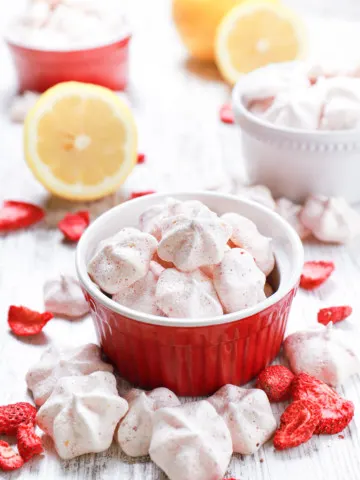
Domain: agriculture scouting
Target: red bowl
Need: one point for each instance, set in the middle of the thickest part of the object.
(193, 356)
(38, 70)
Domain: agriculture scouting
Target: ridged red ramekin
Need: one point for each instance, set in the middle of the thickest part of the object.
(105, 65)
(193, 356)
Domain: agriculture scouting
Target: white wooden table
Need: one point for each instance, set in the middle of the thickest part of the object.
(176, 102)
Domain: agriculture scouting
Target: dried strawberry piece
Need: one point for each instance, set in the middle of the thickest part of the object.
(9, 460)
(336, 412)
(73, 225)
(297, 424)
(315, 273)
(25, 322)
(16, 215)
(334, 314)
(226, 114)
(13, 415)
(141, 158)
(141, 194)
(28, 443)
(276, 382)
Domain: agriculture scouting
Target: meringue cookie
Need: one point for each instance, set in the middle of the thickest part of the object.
(325, 353)
(246, 235)
(248, 415)
(192, 242)
(63, 296)
(122, 259)
(330, 219)
(259, 194)
(300, 109)
(149, 220)
(291, 213)
(20, 106)
(82, 413)
(55, 364)
(191, 442)
(238, 281)
(187, 295)
(141, 294)
(135, 430)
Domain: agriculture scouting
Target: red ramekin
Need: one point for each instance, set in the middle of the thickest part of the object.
(193, 356)
(105, 65)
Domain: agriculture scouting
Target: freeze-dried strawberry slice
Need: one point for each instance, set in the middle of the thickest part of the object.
(297, 424)
(276, 382)
(9, 460)
(25, 322)
(16, 215)
(13, 415)
(336, 412)
(28, 443)
(141, 158)
(226, 114)
(315, 273)
(141, 194)
(73, 225)
(334, 314)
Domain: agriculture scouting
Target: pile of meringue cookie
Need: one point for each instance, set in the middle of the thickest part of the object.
(185, 262)
(308, 99)
(68, 24)
(328, 219)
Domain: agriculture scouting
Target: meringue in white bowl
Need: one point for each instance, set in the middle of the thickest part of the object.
(293, 162)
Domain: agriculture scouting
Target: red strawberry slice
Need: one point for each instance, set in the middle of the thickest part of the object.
(73, 225)
(9, 460)
(24, 322)
(17, 215)
(297, 424)
(141, 194)
(336, 412)
(13, 415)
(333, 314)
(276, 382)
(227, 114)
(28, 443)
(315, 273)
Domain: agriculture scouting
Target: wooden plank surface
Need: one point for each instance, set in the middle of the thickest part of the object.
(176, 102)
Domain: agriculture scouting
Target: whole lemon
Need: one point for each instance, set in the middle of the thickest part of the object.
(197, 21)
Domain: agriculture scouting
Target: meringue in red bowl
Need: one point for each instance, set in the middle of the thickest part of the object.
(198, 353)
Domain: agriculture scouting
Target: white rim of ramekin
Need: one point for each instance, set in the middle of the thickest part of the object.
(285, 289)
(240, 110)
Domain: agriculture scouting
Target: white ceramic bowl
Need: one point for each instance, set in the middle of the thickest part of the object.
(295, 163)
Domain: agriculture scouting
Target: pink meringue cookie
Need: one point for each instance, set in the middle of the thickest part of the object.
(248, 415)
(238, 281)
(135, 430)
(324, 352)
(187, 295)
(259, 194)
(246, 235)
(63, 296)
(299, 109)
(56, 363)
(191, 442)
(122, 259)
(149, 220)
(291, 213)
(192, 242)
(209, 269)
(82, 413)
(330, 219)
(141, 294)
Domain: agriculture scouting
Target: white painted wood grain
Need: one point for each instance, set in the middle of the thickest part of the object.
(176, 103)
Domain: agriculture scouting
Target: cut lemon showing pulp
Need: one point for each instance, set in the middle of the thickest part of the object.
(255, 34)
(80, 141)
